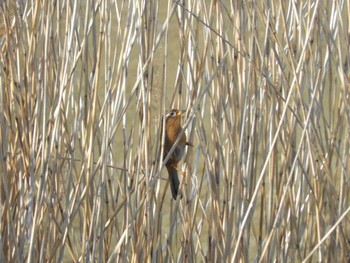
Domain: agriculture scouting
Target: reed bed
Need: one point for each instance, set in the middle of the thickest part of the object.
(84, 86)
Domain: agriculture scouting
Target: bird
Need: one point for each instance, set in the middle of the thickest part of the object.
(173, 129)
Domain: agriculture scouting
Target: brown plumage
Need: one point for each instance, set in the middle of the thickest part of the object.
(173, 129)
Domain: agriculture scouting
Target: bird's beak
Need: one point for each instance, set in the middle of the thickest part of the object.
(181, 112)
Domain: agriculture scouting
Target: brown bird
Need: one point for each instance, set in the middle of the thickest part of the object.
(173, 129)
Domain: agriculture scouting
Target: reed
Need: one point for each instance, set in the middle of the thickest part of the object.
(84, 86)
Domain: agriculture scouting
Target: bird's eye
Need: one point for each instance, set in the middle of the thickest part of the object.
(172, 114)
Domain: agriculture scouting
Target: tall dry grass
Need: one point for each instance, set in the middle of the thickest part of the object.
(84, 85)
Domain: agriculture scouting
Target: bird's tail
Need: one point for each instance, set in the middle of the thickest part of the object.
(174, 180)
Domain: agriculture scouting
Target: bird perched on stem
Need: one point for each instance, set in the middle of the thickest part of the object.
(173, 129)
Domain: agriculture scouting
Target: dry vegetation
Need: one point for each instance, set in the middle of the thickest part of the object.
(84, 85)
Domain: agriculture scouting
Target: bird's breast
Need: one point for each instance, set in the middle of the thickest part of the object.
(178, 152)
(179, 149)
